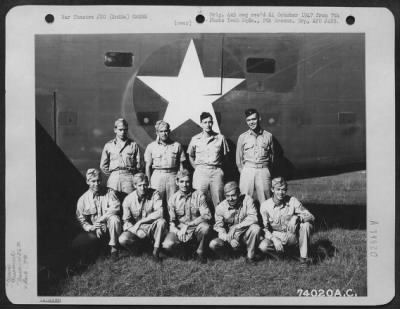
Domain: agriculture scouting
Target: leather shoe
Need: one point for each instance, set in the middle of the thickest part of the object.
(251, 261)
(201, 258)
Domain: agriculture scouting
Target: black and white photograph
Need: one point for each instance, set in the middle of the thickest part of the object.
(215, 164)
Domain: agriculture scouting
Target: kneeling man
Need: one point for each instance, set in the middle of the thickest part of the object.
(286, 222)
(143, 217)
(236, 223)
(97, 212)
(189, 217)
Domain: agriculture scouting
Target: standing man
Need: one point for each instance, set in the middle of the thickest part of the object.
(286, 222)
(189, 217)
(236, 223)
(143, 217)
(120, 160)
(98, 213)
(207, 151)
(254, 158)
(163, 158)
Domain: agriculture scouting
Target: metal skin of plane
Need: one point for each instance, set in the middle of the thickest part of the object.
(308, 88)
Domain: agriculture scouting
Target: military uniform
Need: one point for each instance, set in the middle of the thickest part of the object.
(277, 220)
(136, 208)
(165, 160)
(92, 207)
(120, 161)
(185, 208)
(244, 217)
(208, 154)
(254, 158)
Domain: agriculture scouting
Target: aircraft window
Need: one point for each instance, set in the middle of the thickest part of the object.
(260, 65)
(346, 117)
(147, 118)
(117, 59)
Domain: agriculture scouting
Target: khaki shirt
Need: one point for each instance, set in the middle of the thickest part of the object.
(186, 208)
(208, 150)
(244, 215)
(168, 155)
(254, 148)
(277, 217)
(134, 209)
(124, 156)
(92, 206)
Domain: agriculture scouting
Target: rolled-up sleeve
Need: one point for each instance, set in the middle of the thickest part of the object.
(148, 154)
(265, 220)
(251, 213)
(82, 219)
(191, 149)
(126, 213)
(239, 152)
(157, 207)
(301, 211)
(171, 209)
(105, 161)
(219, 221)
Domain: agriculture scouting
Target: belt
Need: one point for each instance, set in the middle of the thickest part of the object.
(256, 165)
(166, 170)
(124, 169)
(209, 166)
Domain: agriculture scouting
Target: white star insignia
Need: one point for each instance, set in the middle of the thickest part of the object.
(190, 93)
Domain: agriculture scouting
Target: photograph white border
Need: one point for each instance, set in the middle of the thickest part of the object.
(24, 22)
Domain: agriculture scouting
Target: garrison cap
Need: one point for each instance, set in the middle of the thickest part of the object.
(182, 173)
(230, 186)
(92, 172)
(250, 111)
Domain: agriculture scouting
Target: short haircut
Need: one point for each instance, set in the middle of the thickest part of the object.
(92, 172)
(279, 182)
(160, 124)
(139, 177)
(230, 186)
(120, 121)
(205, 115)
(251, 111)
(182, 173)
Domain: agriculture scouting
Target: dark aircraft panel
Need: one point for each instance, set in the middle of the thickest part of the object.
(313, 103)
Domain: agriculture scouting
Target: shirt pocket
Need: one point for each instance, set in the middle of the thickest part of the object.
(216, 147)
(195, 211)
(174, 155)
(242, 216)
(180, 211)
(201, 153)
(248, 147)
(156, 156)
(265, 150)
(136, 212)
(89, 211)
(114, 156)
(148, 209)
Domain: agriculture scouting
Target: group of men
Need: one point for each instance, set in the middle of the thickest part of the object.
(223, 223)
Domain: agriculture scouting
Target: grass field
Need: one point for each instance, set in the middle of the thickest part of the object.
(338, 248)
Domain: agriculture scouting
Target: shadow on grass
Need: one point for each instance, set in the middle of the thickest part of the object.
(328, 216)
(321, 250)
